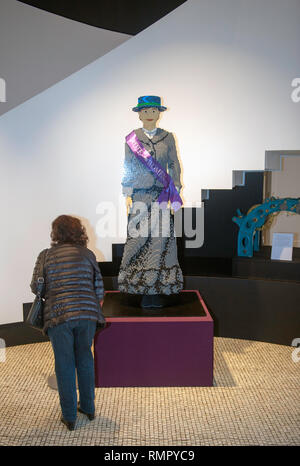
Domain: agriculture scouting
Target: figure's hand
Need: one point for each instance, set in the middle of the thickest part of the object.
(128, 204)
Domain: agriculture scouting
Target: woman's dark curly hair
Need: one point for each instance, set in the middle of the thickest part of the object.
(67, 229)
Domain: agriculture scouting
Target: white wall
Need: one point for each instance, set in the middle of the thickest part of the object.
(224, 69)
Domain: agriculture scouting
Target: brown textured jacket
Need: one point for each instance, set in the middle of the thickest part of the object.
(73, 284)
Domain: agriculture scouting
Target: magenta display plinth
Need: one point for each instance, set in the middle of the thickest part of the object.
(156, 351)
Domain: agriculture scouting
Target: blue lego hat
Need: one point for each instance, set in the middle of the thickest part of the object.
(149, 101)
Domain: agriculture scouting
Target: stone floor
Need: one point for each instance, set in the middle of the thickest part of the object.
(255, 400)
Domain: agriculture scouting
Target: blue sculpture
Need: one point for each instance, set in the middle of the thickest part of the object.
(251, 223)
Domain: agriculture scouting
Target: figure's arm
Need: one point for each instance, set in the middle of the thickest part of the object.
(173, 163)
(128, 173)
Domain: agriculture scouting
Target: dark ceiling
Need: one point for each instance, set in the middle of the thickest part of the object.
(127, 16)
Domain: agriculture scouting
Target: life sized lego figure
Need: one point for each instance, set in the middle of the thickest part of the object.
(149, 265)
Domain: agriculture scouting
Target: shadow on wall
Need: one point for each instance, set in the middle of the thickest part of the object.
(92, 244)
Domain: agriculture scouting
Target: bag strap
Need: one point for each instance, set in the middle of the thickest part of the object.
(41, 280)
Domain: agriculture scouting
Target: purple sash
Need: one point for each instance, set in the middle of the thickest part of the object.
(169, 192)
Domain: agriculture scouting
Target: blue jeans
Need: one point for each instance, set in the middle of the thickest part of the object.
(71, 343)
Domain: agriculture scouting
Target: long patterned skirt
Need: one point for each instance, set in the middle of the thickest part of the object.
(150, 265)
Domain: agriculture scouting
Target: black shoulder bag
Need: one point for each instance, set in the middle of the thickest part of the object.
(35, 316)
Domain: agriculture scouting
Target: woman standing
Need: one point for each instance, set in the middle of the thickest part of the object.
(149, 265)
(73, 291)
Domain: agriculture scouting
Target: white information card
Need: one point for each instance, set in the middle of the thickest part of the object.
(282, 246)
